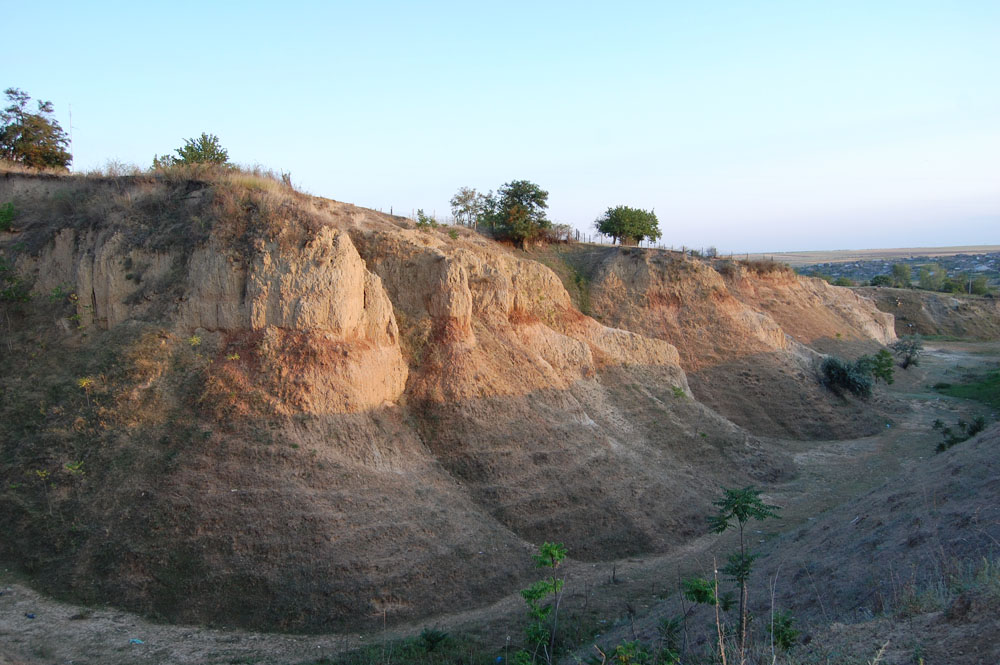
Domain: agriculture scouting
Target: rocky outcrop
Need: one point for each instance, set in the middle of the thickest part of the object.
(321, 290)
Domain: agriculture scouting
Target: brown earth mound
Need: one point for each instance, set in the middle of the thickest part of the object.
(928, 313)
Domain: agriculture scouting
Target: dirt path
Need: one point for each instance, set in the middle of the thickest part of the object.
(35, 629)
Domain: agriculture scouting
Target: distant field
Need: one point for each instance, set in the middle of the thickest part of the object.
(796, 259)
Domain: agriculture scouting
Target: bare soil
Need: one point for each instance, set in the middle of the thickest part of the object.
(831, 475)
(944, 314)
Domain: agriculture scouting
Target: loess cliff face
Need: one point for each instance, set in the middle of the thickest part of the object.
(251, 407)
(748, 338)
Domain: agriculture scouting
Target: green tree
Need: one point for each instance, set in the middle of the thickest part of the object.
(543, 618)
(878, 367)
(13, 289)
(881, 280)
(783, 631)
(7, 214)
(901, 275)
(856, 377)
(736, 508)
(467, 206)
(979, 286)
(629, 224)
(425, 221)
(32, 139)
(517, 211)
(883, 367)
(206, 149)
(908, 350)
(932, 277)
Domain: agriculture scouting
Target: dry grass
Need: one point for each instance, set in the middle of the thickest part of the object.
(767, 267)
(7, 166)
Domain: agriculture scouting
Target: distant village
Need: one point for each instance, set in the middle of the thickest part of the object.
(862, 272)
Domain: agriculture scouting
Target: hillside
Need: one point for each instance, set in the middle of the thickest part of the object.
(918, 312)
(909, 565)
(745, 333)
(230, 403)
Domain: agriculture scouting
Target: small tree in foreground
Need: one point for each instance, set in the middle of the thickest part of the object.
(543, 618)
(736, 508)
(624, 223)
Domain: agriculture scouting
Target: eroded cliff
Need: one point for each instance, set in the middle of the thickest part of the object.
(253, 407)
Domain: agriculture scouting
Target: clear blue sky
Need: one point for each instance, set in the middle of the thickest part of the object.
(751, 126)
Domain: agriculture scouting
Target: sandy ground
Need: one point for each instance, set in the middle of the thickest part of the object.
(35, 629)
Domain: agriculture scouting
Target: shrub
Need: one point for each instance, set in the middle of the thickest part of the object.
(908, 349)
(965, 432)
(879, 366)
(7, 214)
(425, 221)
(432, 638)
(840, 376)
(13, 289)
(881, 280)
(558, 233)
(783, 630)
(699, 590)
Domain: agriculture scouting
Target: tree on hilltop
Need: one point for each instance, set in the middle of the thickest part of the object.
(517, 211)
(633, 224)
(32, 139)
(206, 149)
(467, 206)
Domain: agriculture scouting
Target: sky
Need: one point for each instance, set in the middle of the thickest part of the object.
(747, 126)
